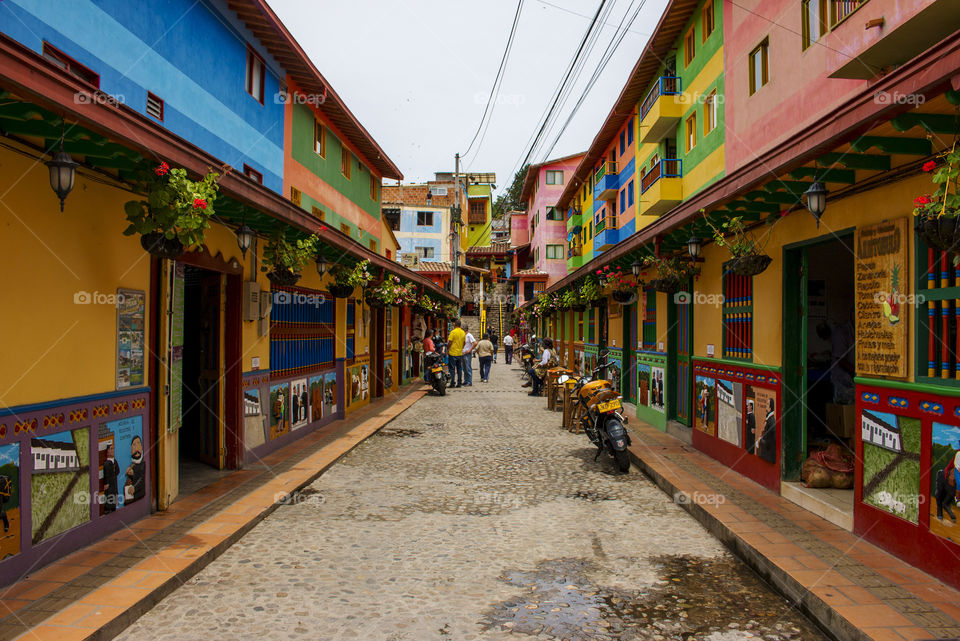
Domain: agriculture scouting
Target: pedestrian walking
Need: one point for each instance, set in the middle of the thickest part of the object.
(508, 348)
(485, 352)
(455, 343)
(494, 341)
(469, 344)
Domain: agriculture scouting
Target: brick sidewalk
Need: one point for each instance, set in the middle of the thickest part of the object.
(98, 591)
(850, 587)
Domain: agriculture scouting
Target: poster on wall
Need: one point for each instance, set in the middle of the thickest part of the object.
(354, 384)
(122, 470)
(729, 411)
(388, 374)
(279, 410)
(705, 398)
(364, 382)
(59, 482)
(944, 477)
(891, 463)
(131, 312)
(316, 398)
(299, 404)
(254, 423)
(10, 500)
(643, 384)
(882, 281)
(658, 393)
(760, 423)
(175, 369)
(330, 394)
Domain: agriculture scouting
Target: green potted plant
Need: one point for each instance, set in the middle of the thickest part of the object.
(747, 257)
(590, 291)
(348, 277)
(568, 299)
(176, 212)
(937, 213)
(283, 259)
(451, 311)
(672, 273)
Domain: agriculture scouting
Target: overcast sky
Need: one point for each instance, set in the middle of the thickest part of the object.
(417, 72)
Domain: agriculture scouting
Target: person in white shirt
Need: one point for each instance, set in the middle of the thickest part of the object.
(508, 348)
(469, 343)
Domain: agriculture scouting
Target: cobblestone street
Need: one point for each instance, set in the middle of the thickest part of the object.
(474, 516)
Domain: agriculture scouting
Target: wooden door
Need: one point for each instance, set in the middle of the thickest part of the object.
(211, 449)
(680, 359)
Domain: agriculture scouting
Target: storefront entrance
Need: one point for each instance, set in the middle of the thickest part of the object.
(819, 367)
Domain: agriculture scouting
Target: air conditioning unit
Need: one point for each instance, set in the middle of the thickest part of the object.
(251, 301)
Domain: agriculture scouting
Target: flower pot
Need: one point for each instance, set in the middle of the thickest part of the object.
(941, 233)
(157, 244)
(340, 291)
(283, 277)
(625, 296)
(749, 265)
(579, 308)
(373, 301)
(666, 285)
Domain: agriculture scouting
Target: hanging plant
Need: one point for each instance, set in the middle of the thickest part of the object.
(672, 273)
(283, 260)
(937, 213)
(451, 311)
(746, 251)
(176, 213)
(348, 277)
(590, 290)
(568, 299)
(390, 292)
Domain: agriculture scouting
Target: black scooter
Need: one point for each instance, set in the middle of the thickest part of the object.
(433, 362)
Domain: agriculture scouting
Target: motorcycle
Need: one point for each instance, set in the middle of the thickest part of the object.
(602, 420)
(526, 360)
(433, 361)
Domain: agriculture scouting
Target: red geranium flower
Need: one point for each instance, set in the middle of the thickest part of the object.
(929, 166)
(162, 169)
(599, 272)
(199, 203)
(323, 228)
(922, 200)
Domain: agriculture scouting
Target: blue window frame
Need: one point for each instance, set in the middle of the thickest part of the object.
(630, 131)
(623, 200)
(623, 142)
(630, 193)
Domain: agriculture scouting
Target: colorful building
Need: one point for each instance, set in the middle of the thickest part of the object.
(420, 217)
(194, 360)
(836, 330)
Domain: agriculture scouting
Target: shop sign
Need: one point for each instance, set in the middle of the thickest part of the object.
(882, 277)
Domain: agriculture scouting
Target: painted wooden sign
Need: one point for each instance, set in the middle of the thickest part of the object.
(882, 282)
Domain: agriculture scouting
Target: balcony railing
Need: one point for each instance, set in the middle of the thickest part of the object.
(665, 168)
(607, 222)
(666, 86)
(840, 9)
(574, 250)
(608, 167)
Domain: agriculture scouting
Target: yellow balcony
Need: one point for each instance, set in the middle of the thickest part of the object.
(661, 110)
(660, 188)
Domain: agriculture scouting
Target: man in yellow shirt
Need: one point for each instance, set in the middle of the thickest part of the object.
(455, 351)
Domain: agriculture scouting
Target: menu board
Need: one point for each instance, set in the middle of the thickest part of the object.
(881, 291)
(131, 311)
(175, 369)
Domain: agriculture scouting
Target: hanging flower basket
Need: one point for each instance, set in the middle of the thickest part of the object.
(283, 277)
(939, 232)
(579, 308)
(666, 285)
(340, 291)
(750, 264)
(157, 244)
(625, 296)
(373, 301)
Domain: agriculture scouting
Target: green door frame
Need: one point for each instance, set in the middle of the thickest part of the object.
(793, 401)
(680, 361)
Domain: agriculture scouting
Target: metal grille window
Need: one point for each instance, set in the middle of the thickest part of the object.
(737, 316)
(302, 330)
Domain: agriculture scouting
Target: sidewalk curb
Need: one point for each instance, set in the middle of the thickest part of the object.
(122, 621)
(827, 619)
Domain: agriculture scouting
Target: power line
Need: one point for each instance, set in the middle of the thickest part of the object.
(497, 81)
(563, 82)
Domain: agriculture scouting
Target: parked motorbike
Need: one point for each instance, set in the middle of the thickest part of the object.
(526, 360)
(433, 361)
(602, 420)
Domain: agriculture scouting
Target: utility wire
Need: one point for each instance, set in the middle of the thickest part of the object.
(497, 81)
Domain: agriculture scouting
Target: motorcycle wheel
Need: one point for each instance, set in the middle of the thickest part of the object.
(441, 387)
(623, 460)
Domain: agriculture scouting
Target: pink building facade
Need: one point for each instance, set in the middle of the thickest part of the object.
(546, 224)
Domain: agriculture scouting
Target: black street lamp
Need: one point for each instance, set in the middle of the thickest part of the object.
(693, 247)
(63, 173)
(245, 237)
(321, 264)
(816, 200)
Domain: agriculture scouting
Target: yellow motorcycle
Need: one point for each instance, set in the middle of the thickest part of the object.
(602, 418)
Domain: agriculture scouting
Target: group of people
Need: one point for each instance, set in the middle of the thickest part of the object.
(460, 347)
(539, 366)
